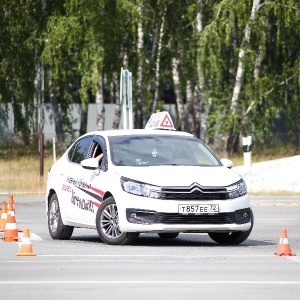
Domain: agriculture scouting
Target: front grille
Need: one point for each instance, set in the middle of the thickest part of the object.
(193, 196)
(194, 192)
(171, 218)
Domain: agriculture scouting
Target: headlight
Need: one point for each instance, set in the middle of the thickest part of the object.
(237, 190)
(140, 188)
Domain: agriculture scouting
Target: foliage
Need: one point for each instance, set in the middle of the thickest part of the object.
(79, 40)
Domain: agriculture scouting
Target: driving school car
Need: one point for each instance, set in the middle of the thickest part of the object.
(152, 180)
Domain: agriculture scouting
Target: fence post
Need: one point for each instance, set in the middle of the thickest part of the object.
(54, 149)
(247, 141)
(41, 144)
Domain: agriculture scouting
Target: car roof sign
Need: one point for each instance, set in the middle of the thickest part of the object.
(160, 120)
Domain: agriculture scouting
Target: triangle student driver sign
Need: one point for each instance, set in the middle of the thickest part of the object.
(167, 122)
(160, 120)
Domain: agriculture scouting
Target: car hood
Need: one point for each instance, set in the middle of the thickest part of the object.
(180, 175)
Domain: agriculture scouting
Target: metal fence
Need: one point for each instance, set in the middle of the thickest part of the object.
(8, 135)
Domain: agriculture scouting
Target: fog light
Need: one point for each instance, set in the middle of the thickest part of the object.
(141, 216)
(245, 215)
(242, 216)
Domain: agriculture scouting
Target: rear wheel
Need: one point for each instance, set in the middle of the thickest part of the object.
(232, 238)
(168, 235)
(107, 223)
(56, 227)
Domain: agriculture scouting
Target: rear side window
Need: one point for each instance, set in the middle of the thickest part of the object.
(80, 150)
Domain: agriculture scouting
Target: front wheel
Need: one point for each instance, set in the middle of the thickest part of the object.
(56, 227)
(232, 238)
(107, 223)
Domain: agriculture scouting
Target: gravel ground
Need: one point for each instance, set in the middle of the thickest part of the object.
(280, 175)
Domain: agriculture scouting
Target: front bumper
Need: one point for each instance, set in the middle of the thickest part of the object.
(153, 215)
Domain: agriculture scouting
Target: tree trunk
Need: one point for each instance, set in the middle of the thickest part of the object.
(256, 72)
(118, 108)
(157, 67)
(20, 123)
(57, 120)
(190, 108)
(139, 79)
(200, 112)
(200, 125)
(241, 62)
(232, 51)
(232, 136)
(83, 115)
(36, 103)
(42, 100)
(118, 113)
(100, 104)
(260, 56)
(177, 90)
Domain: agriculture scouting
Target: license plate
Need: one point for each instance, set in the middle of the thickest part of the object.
(198, 209)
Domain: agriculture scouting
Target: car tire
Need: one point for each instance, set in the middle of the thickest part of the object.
(57, 229)
(232, 238)
(168, 235)
(107, 224)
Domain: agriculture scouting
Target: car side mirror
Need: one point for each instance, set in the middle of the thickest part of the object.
(90, 163)
(227, 163)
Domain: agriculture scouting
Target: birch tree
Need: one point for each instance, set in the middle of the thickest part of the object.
(241, 61)
(241, 105)
(235, 64)
(157, 64)
(139, 79)
(178, 93)
(20, 27)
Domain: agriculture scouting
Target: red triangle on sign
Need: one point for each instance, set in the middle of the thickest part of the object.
(167, 122)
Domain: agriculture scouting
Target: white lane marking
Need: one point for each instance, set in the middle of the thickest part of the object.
(294, 258)
(33, 236)
(155, 259)
(150, 282)
(148, 255)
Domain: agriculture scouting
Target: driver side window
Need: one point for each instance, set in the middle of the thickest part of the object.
(80, 150)
(97, 151)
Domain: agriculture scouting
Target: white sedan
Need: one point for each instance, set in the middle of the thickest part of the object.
(127, 182)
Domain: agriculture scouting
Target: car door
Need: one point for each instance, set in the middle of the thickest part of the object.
(93, 191)
(74, 180)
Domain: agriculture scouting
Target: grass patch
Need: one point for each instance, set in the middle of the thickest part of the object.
(264, 154)
(22, 175)
(20, 168)
(275, 193)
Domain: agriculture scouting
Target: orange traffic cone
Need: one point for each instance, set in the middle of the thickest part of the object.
(26, 246)
(3, 217)
(11, 209)
(11, 232)
(11, 203)
(283, 247)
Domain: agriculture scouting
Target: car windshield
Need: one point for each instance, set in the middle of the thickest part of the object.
(154, 150)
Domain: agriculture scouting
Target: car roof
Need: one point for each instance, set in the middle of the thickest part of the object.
(122, 132)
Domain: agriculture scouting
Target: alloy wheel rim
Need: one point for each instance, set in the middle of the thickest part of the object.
(53, 216)
(109, 222)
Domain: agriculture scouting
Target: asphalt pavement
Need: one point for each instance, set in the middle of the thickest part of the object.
(191, 266)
